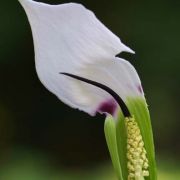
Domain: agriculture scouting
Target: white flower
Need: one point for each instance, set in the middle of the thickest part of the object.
(69, 38)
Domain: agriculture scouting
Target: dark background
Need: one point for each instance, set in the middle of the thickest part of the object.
(35, 122)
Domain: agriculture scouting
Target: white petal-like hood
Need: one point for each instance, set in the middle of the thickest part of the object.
(69, 38)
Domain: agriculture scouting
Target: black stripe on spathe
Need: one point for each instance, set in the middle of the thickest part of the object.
(121, 103)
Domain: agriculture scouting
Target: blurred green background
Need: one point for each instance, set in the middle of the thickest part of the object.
(41, 138)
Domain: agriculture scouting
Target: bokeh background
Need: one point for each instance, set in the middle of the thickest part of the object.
(41, 138)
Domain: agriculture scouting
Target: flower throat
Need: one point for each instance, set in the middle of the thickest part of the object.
(137, 162)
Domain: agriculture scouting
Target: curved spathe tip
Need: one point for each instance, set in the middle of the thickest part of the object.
(127, 49)
(25, 2)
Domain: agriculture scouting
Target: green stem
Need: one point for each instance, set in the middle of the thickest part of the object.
(110, 134)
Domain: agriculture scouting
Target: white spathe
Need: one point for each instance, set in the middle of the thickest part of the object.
(69, 38)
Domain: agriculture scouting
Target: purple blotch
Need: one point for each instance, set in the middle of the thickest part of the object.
(109, 106)
(140, 89)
